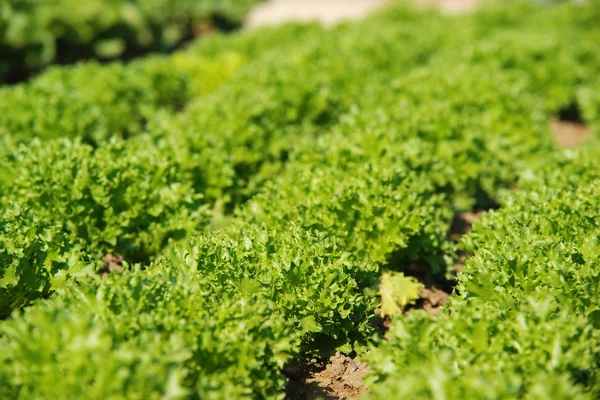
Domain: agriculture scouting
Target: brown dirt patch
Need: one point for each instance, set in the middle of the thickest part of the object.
(569, 133)
(112, 263)
(459, 264)
(432, 300)
(340, 378)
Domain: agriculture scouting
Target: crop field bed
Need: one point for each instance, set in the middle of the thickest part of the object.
(401, 207)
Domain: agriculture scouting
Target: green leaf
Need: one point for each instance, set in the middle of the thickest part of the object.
(397, 291)
(309, 324)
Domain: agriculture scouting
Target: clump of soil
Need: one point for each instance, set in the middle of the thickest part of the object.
(568, 128)
(112, 263)
(432, 300)
(340, 378)
(569, 133)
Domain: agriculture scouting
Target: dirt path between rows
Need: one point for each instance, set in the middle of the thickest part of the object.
(330, 12)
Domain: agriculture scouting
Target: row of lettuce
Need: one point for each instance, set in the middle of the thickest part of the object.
(187, 170)
(97, 101)
(37, 33)
(525, 322)
(295, 182)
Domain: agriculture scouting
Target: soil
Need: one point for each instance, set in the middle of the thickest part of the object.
(569, 133)
(450, 6)
(112, 263)
(330, 12)
(432, 300)
(340, 378)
